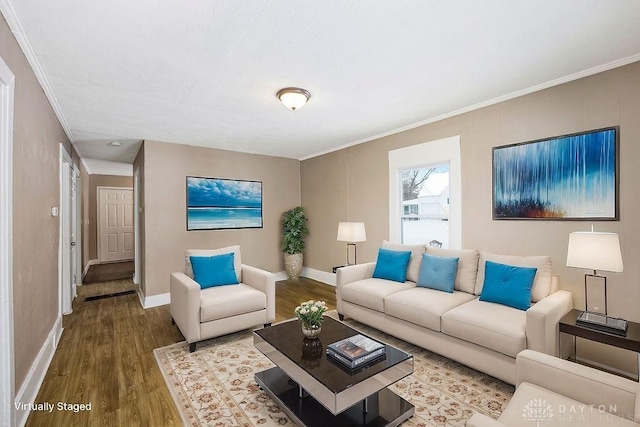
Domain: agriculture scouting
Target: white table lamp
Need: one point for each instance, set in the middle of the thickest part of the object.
(351, 232)
(594, 251)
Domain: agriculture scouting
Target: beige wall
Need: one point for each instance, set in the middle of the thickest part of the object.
(96, 181)
(165, 169)
(352, 184)
(36, 138)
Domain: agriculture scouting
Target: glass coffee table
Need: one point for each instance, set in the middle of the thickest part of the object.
(314, 390)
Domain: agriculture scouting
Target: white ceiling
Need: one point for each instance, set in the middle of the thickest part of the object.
(205, 72)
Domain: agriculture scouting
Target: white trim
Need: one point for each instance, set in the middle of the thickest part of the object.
(32, 383)
(7, 356)
(154, 300)
(546, 85)
(319, 275)
(65, 293)
(136, 226)
(89, 264)
(78, 224)
(445, 150)
(21, 37)
(280, 275)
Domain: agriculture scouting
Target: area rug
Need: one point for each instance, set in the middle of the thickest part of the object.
(214, 385)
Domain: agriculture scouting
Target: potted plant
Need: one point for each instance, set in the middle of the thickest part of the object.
(294, 230)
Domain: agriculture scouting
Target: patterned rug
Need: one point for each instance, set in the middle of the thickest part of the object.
(214, 386)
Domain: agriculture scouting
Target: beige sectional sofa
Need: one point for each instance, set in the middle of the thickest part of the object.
(483, 335)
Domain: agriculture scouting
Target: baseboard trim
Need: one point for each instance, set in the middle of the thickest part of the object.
(89, 264)
(28, 392)
(280, 275)
(154, 300)
(319, 275)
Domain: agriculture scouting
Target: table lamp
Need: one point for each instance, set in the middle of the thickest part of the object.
(351, 232)
(596, 251)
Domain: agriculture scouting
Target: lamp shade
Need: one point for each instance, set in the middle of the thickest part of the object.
(594, 251)
(351, 232)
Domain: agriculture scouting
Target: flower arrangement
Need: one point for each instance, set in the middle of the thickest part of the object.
(311, 312)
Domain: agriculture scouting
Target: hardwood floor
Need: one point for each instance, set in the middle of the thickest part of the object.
(105, 357)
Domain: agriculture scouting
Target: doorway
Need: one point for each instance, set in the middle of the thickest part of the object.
(116, 240)
(68, 231)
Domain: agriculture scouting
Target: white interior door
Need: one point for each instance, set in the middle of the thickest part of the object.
(116, 240)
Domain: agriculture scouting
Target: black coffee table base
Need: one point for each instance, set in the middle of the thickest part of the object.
(384, 408)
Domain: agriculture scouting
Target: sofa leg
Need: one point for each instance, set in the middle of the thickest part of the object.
(266, 325)
(192, 347)
(340, 316)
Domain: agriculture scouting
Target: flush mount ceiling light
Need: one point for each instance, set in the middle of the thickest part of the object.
(115, 144)
(293, 97)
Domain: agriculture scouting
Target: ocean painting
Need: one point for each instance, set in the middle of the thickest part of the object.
(214, 203)
(568, 177)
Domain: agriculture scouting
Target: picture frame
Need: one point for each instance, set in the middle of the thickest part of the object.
(568, 177)
(221, 204)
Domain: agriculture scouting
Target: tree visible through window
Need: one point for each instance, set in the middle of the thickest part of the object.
(425, 205)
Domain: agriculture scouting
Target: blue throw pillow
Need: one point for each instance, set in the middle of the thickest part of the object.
(508, 285)
(392, 265)
(217, 270)
(438, 272)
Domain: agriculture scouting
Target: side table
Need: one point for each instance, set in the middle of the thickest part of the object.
(631, 341)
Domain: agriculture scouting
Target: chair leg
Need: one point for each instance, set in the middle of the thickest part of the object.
(266, 325)
(341, 316)
(192, 347)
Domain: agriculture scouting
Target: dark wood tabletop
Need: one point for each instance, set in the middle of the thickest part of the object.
(630, 342)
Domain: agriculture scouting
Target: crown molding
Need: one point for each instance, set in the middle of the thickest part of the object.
(23, 41)
(551, 83)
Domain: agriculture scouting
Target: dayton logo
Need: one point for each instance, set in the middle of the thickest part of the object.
(537, 410)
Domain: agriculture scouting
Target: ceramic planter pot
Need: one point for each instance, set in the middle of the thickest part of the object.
(293, 265)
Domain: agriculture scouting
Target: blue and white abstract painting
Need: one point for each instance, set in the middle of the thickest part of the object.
(568, 177)
(214, 203)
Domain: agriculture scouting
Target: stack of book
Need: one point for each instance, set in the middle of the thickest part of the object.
(356, 351)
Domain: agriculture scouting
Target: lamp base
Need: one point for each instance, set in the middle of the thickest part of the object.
(603, 323)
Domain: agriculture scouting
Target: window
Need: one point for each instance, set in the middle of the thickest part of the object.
(425, 205)
(424, 194)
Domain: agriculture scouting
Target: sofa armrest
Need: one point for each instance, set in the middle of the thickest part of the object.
(578, 382)
(542, 322)
(265, 282)
(185, 305)
(349, 274)
(481, 420)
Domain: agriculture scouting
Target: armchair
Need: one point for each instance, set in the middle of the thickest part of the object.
(202, 314)
(554, 392)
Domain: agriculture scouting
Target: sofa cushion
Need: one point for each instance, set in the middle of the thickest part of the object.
(416, 257)
(542, 282)
(423, 306)
(370, 293)
(508, 285)
(392, 265)
(467, 266)
(489, 325)
(237, 261)
(438, 272)
(559, 410)
(226, 301)
(216, 270)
